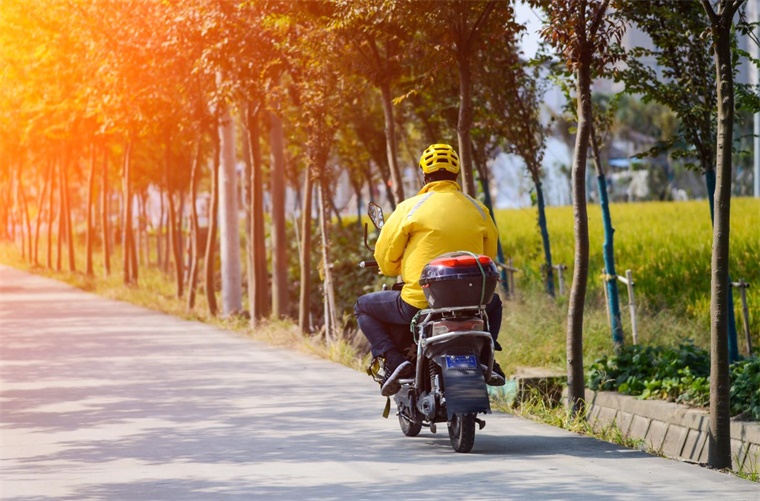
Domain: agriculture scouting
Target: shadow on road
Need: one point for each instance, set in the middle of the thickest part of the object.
(102, 400)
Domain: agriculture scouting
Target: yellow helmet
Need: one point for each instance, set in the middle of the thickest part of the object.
(439, 156)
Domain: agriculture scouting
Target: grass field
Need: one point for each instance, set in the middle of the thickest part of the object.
(667, 246)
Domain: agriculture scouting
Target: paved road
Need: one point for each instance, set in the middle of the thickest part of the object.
(104, 400)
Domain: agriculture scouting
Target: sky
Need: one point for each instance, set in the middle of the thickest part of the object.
(530, 18)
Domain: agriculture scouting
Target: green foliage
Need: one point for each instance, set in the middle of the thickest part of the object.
(350, 280)
(680, 374)
(745, 387)
(685, 76)
(347, 250)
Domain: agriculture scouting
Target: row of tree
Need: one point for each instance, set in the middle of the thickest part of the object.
(105, 102)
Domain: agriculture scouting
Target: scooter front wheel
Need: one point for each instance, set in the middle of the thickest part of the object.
(409, 428)
(462, 432)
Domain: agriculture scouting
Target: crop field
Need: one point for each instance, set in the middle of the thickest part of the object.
(666, 245)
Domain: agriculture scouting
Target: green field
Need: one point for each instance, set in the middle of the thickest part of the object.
(666, 245)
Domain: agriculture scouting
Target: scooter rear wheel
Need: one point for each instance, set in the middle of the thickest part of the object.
(409, 428)
(462, 432)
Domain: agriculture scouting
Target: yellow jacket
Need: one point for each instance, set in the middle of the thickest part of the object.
(439, 219)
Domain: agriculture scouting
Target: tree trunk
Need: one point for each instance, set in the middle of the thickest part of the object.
(388, 184)
(167, 236)
(192, 282)
(331, 331)
(67, 215)
(258, 290)
(181, 244)
(304, 310)
(213, 213)
(719, 439)
(126, 230)
(160, 229)
(390, 143)
(61, 214)
(15, 181)
(104, 217)
(247, 197)
(15, 176)
(575, 383)
(41, 207)
(146, 226)
(12, 214)
(118, 230)
(499, 249)
(229, 230)
(174, 242)
(733, 346)
(465, 47)
(357, 187)
(137, 198)
(51, 217)
(279, 241)
(608, 248)
(541, 207)
(464, 123)
(26, 241)
(90, 236)
(5, 205)
(134, 266)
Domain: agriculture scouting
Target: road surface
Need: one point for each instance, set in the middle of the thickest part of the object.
(102, 400)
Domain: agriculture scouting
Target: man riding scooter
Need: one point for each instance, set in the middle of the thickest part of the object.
(439, 219)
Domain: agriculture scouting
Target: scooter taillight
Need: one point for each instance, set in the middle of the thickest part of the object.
(466, 324)
(456, 260)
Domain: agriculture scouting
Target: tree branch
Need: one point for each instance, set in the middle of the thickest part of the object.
(375, 51)
(710, 12)
(598, 19)
(358, 44)
(481, 19)
(735, 6)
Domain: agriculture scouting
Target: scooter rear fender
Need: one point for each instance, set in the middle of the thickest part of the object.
(464, 385)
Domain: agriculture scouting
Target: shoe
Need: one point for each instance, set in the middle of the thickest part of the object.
(391, 384)
(497, 375)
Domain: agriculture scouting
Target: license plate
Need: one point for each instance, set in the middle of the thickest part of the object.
(461, 362)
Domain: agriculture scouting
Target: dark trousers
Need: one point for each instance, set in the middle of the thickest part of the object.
(384, 319)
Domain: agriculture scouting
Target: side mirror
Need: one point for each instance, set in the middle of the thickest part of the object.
(375, 213)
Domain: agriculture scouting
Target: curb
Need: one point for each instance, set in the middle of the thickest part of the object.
(673, 430)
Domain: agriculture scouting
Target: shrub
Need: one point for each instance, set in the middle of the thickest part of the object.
(680, 374)
(745, 388)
